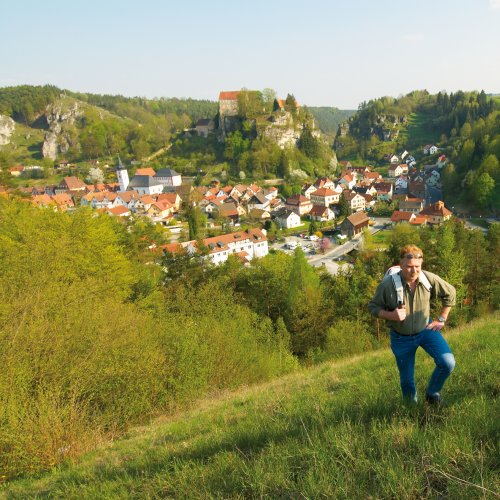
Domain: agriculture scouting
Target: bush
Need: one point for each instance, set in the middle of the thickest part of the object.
(347, 337)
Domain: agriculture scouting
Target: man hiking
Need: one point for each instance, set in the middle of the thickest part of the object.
(403, 300)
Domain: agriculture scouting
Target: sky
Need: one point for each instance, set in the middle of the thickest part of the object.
(324, 52)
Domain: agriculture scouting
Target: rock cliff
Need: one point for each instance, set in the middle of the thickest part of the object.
(60, 117)
(7, 127)
(284, 131)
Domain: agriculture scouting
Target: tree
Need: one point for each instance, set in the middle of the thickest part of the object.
(343, 206)
(290, 103)
(95, 176)
(483, 189)
(466, 154)
(250, 103)
(196, 222)
(303, 316)
(451, 260)
(268, 98)
(308, 143)
(491, 166)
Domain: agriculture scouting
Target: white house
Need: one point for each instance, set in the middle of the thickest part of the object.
(321, 213)
(395, 170)
(325, 197)
(430, 149)
(288, 219)
(401, 184)
(248, 244)
(168, 178)
(145, 184)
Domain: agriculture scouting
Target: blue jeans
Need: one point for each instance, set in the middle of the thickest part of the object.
(433, 343)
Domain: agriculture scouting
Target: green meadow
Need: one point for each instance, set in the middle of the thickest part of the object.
(336, 430)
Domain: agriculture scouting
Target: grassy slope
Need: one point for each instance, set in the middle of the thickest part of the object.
(416, 135)
(337, 430)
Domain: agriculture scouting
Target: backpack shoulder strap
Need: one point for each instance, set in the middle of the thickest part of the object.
(398, 285)
(425, 281)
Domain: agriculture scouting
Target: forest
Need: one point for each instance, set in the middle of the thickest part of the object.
(98, 332)
(464, 125)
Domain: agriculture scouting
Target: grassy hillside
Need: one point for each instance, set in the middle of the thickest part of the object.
(416, 134)
(337, 431)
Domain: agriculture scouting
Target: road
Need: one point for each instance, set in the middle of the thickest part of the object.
(331, 259)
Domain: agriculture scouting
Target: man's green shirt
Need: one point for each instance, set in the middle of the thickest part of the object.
(417, 303)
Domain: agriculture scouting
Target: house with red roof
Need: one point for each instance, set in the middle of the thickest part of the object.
(398, 217)
(72, 184)
(354, 200)
(325, 197)
(347, 181)
(119, 211)
(252, 241)
(413, 205)
(321, 213)
(436, 213)
(299, 204)
(16, 171)
(355, 223)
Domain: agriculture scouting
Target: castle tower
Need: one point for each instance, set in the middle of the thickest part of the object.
(122, 175)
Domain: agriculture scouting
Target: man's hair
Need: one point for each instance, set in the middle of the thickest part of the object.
(411, 250)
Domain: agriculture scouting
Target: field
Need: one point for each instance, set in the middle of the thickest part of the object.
(381, 239)
(416, 131)
(338, 430)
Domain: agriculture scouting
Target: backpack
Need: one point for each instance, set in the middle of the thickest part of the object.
(395, 274)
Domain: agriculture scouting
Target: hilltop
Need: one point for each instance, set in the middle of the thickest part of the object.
(337, 430)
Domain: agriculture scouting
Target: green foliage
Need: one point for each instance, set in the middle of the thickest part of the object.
(309, 144)
(90, 344)
(110, 125)
(329, 119)
(347, 338)
(250, 104)
(303, 316)
(196, 222)
(25, 103)
(464, 121)
(337, 430)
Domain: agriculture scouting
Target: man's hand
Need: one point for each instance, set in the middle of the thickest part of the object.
(398, 314)
(435, 325)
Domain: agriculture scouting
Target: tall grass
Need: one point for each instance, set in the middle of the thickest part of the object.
(338, 430)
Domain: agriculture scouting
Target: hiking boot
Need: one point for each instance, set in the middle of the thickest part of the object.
(434, 399)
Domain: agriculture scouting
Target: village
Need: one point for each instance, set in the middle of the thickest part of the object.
(162, 196)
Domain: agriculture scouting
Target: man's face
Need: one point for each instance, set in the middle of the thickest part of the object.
(411, 269)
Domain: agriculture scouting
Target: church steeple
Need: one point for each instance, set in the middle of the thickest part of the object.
(122, 175)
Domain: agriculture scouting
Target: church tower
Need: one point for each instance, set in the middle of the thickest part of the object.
(122, 175)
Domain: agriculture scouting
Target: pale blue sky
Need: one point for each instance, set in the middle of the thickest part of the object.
(327, 53)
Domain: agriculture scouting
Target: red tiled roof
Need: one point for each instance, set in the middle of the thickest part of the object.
(324, 192)
(436, 209)
(73, 183)
(399, 216)
(118, 210)
(145, 171)
(229, 95)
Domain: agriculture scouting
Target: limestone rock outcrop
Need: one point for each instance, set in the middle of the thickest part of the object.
(7, 127)
(61, 116)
